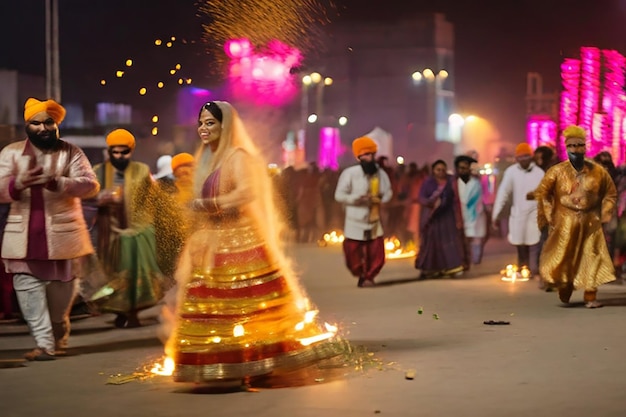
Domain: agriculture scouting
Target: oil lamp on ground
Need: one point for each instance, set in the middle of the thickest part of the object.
(395, 250)
(513, 273)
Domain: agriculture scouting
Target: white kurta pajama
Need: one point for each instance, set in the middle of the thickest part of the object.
(474, 216)
(515, 186)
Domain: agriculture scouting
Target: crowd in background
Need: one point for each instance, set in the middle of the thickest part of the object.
(307, 196)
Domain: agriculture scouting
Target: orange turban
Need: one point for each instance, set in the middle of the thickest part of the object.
(363, 145)
(121, 137)
(181, 159)
(523, 149)
(574, 131)
(51, 107)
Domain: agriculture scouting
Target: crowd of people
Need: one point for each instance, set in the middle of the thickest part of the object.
(204, 233)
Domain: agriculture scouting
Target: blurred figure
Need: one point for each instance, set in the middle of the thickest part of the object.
(619, 254)
(470, 192)
(544, 157)
(415, 179)
(164, 175)
(182, 166)
(442, 250)
(44, 179)
(388, 212)
(308, 200)
(517, 188)
(605, 159)
(126, 235)
(610, 228)
(575, 197)
(286, 190)
(332, 210)
(362, 188)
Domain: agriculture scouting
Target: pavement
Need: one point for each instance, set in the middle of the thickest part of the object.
(419, 348)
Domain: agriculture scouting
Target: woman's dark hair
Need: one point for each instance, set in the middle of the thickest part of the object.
(213, 108)
(437, 162)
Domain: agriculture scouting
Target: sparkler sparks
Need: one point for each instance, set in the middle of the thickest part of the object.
(295, 22)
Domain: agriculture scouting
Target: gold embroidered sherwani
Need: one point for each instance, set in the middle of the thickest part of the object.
(574, 205)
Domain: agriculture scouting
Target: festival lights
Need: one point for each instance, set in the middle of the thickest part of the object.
(612, 96)
(590, 93)
(541, 131)
(570, 79)
(129, 63)
(262, 76)
(593, 98)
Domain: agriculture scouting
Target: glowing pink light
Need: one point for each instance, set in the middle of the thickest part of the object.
(593, 97)
(541, 131)
(262, 77)
(238, 48)
(589, 92)
(329, 148)
(570, 76)
(612, 103)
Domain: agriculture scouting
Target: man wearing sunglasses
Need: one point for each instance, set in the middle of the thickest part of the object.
(576, 197)
(125, 232)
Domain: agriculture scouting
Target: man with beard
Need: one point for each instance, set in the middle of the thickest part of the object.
(517, 189)
(361, 189)
(44, 178)
(470, 193)
(575, 198)
(126, 236)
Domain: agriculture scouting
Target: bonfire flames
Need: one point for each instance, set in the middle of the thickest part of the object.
(393, 247)
(395, 250)
(167, 367)
(331, 238)
(512, 273)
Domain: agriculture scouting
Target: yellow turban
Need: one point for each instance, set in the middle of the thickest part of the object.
(121, 137)
(181, 159)
(523, 149)
(363, 145)
(574, 131)
(51, 107)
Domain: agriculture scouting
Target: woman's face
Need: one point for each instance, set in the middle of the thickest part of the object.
(209, 128)
(439, 171)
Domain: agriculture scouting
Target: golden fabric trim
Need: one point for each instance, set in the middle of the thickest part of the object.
(227, 371)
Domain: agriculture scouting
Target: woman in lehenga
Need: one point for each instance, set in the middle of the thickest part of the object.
(442, 249)
(240, 311)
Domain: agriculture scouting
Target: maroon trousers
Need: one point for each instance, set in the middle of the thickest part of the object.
(6, 292)
(364, 258)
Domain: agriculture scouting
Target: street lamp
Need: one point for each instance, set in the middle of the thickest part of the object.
(429, 76)
(53, 66)
(319, 81)
(456, 123)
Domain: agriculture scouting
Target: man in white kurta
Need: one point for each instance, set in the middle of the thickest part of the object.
(518, 186)
(474, 215)
(361, 189)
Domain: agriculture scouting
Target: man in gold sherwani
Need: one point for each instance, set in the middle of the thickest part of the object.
(575, 198)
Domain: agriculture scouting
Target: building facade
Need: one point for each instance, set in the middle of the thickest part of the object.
(398, 77)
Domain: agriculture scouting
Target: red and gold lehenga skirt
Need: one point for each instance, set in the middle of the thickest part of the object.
(239, 316)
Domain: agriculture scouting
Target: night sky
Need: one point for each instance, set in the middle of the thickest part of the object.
(497, 43)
